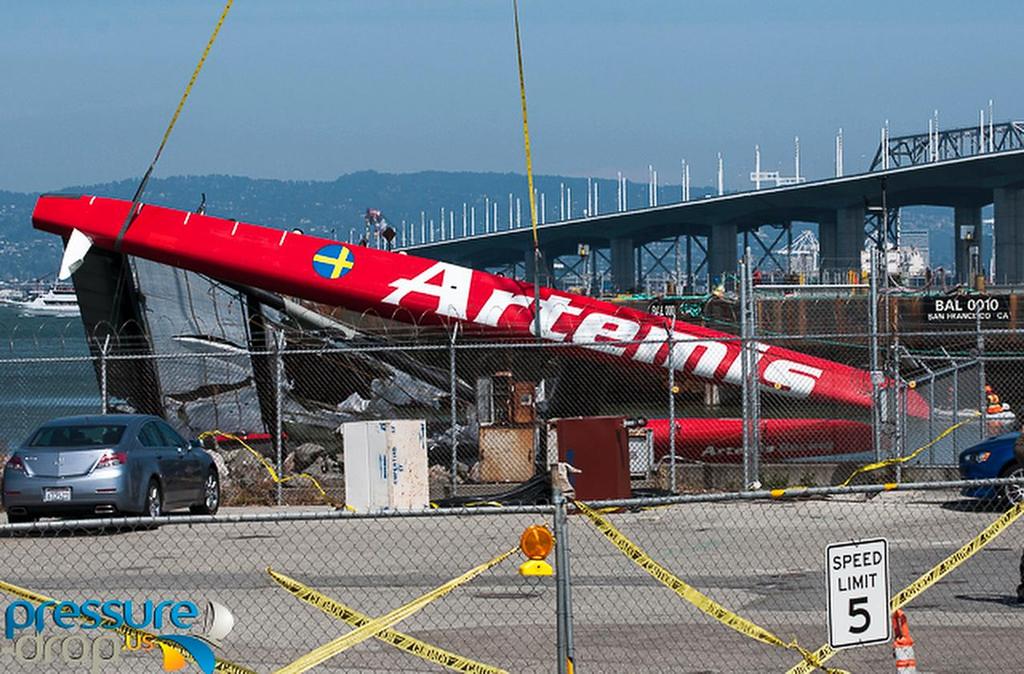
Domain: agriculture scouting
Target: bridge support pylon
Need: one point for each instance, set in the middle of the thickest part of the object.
(722, 253)
(623, 264)
(1008, 211)
(967, 235)
(841, 240)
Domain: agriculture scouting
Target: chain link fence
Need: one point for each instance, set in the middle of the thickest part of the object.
(370, 564)
(488, 404)
(713, 468)
(755, 555)
(764, 559)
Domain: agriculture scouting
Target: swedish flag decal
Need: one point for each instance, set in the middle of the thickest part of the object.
(333, 261)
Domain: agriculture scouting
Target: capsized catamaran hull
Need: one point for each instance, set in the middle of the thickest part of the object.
(414, 289)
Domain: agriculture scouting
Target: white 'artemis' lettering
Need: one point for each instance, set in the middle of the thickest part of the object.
(611, 328)
(712, 356)
(452, 292)
(551, 310)
(795, 379)
(494, 308)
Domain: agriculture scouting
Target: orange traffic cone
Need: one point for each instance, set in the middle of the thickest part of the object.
(903, 645)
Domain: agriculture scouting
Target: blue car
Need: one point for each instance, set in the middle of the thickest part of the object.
(130, 464)
(991, 458)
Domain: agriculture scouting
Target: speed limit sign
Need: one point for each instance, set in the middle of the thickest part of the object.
(858, 593)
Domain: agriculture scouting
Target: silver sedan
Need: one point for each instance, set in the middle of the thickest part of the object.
(86, 466)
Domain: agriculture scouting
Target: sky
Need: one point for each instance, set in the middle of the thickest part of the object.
(316, 88)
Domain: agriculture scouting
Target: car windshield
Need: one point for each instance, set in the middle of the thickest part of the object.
(77, 436)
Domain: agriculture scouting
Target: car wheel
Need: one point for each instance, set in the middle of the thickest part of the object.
(154, 500)
(1013, 493)
(211, 496)
(21, 518)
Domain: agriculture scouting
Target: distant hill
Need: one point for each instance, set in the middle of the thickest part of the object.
(335, 208)
(329, 208)
(24, 252)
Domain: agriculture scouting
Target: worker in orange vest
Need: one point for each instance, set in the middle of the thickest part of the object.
(995, 406)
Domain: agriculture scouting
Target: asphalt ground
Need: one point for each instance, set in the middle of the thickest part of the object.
(763, 560)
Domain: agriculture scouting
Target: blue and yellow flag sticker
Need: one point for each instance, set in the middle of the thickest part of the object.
(333, 261)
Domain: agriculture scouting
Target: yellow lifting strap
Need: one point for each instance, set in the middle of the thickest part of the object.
(170, 127)
(526, 127)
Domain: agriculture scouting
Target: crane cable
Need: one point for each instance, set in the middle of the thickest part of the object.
(529, 177)
(170, 127)
(526, 127)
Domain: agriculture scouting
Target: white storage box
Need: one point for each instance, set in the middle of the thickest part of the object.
(641, 452)
(386, 465)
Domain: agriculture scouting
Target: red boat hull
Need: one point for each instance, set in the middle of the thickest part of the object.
(420, 290)
(721, 440)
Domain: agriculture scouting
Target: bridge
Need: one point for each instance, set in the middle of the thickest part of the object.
(964, 169)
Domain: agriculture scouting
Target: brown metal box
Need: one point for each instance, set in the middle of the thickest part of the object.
(599, 447)
(506, 453)
(522, 403)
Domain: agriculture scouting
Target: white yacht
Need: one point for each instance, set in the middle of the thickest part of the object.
(58, 301)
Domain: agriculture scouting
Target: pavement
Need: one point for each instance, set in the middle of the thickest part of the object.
(763, 560)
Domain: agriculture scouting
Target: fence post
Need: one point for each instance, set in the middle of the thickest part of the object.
(932, 383)
(453, 393)
(755, 378)
(899, 389)
(744, 372)
(983, 394)
(956, 408)
(876, 375)
(751, 470)
(671, 408)
(563, 585)
(104, 396)
(904, 402)
(899, 408)
(278, 407)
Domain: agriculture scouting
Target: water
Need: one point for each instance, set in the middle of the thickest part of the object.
(33, 390)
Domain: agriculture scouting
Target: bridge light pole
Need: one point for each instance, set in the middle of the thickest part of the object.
(839, 153)
(885, 146)
(721, 175)
(991, 128)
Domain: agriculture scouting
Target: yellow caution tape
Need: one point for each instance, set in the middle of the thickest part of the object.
(372, 628)
(909, 457)
(404, 642)
(698, 599)
(939, 571)
(224, 666)
(934, 575)
(472, 504)
(272, 472)
(889, 486)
